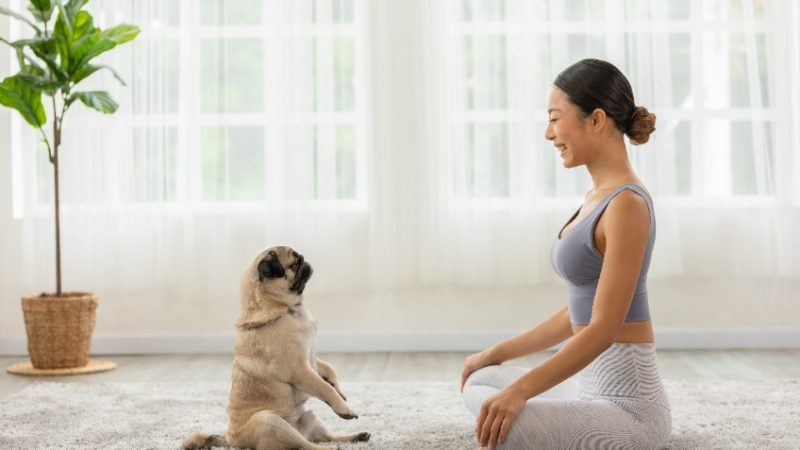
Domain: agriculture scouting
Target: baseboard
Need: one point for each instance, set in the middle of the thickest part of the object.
(667, 339)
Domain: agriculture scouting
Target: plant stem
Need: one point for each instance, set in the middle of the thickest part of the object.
(56, 144)
(56, 194)
(47, 141)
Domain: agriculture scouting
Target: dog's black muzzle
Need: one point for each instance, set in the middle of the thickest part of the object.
(301, 278)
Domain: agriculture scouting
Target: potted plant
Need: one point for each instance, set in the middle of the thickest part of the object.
(53, 62)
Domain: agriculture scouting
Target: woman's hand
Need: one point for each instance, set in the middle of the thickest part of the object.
(497, 414)
(474, 362)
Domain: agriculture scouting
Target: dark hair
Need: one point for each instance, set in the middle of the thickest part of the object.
(594, 83)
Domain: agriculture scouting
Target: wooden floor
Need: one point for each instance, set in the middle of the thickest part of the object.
(399, 366)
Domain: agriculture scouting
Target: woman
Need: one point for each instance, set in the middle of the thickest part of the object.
(603, 252)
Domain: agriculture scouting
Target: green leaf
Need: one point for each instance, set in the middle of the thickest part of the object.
(93, 44)
(58, 72)
(121, 34)
(8, 12)
(83, 25)
(25, 98)
(73, 6)
(89, 69)
(33, 67)
(29, 42)
(42, 5)
(63, 36)
(98, 100)
(86, 48)
(46, 46)
(41, 10)
(21, 57)
(47, 85)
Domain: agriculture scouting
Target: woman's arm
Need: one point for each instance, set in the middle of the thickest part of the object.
(547, 333)
(626, 232)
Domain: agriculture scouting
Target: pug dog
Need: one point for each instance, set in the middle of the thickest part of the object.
(275, 368)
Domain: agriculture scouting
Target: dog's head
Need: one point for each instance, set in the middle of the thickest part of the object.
(276, 278)
(282, 271)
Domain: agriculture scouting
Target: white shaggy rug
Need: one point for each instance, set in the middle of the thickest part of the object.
(47, 415)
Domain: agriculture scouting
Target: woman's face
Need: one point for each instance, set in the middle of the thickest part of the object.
(567, 129)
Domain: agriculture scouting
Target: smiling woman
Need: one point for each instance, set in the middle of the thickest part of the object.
(604, 258)
(606, 88)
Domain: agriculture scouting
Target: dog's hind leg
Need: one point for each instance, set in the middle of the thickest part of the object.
(197, 441)
(268, 431)
(315, 431)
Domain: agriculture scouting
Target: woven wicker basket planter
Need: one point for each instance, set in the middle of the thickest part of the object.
(59, 329)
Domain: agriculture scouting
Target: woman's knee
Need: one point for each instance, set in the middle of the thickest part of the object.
(496, 376)
(478, 377)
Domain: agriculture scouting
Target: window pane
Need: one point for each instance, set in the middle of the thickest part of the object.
(659, 10)
(321, 161)
(584, 10)
(343, 74)
(233, 163)
(542, 62)
(322, 74)
(482, 166)
(156, 74)
(230, 12)
(485, 71)
(683, 158)
(318, 11)
(547, 164)
(486, 10)
(152, 15)
(751, 158)
(44, 175)
(85, 150)
(345, 161)
(150, 170)
(231, 75)
(763, 69)
(667, 157)
(680, 69)
(731, 66)
(677, 9)
(734, 10)
(581, 46)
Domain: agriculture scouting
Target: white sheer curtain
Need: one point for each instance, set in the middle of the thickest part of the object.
(400, 144)
(242, 126)
(722, 164)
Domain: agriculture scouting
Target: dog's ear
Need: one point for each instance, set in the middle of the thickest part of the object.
(256, 316)
(270, 267)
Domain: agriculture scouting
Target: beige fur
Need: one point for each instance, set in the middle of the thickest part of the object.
(275, 369)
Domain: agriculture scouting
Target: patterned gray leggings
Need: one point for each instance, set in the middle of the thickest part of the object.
(620, 404)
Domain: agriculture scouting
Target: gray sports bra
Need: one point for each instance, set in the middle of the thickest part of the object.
(575, 259)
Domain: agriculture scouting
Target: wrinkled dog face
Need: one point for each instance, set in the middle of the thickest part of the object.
(282, 270)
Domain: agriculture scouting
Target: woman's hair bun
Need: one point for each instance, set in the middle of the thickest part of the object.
(642, 123)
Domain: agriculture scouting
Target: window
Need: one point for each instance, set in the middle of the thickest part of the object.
(229, 102)
(704, 67)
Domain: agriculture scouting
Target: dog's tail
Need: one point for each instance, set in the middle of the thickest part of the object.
(197, 441)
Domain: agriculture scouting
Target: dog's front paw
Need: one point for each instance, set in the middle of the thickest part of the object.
(348, 415)
(362, 437)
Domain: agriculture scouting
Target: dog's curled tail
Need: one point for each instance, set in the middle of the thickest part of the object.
(197, 441)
